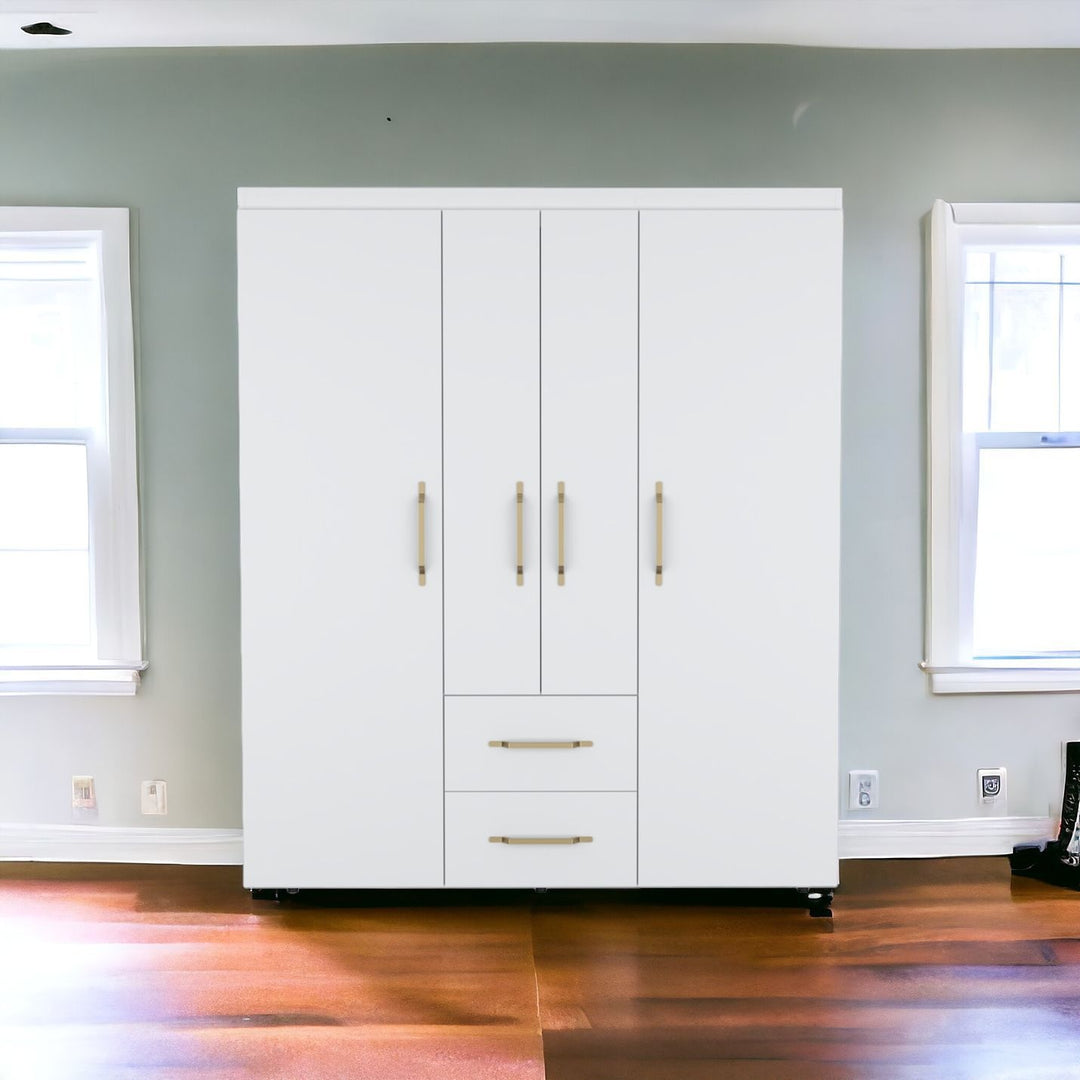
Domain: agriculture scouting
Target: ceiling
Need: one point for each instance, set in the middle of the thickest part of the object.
(874, 24)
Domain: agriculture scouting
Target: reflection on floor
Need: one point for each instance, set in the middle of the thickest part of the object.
(936, 969)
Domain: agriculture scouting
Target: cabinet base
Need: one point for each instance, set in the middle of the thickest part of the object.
(818, 902)
(273, 894)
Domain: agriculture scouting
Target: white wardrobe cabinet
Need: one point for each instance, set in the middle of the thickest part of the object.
(605, 424)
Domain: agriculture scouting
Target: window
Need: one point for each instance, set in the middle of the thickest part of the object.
(69, 544)
(1003, 611)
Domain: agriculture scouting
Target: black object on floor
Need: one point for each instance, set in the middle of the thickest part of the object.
(1057, 861)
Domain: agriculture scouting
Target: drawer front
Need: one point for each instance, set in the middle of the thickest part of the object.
(605, 728)
(539, 828)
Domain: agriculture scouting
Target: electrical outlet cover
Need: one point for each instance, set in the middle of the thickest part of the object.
(83, 795)
(993, 789)
(863, 789)
(154, 797)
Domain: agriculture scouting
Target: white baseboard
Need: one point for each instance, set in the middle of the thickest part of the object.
(101, 843)
(225, 847)
(940, 839)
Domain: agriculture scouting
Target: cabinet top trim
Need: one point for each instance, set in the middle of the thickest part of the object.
(321, 198)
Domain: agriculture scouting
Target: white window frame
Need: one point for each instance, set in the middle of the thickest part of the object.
(950, 506)
(112, 474)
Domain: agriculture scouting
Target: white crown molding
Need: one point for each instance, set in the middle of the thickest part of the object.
(942, 838)
(99, 843)
(882, 24)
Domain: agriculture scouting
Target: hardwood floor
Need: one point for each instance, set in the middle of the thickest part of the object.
(936, 969)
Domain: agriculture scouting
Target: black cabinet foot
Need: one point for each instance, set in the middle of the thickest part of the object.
(818, 902)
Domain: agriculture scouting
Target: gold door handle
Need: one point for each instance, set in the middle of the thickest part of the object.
(508, 744)
(561, 580)
(520, 533)
(659, 533)
(540, 840)
(421, 497)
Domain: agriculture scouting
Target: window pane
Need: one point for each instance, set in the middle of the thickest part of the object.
(44, 598)
(1027, 563)
(1024, 371)
(978, 266)
(1040, 266)
(43, 496)
(50, 337)
(1071, 266)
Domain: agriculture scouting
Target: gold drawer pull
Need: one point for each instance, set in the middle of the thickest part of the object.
(659, 533)
(421, 498)
(540, 839)
(561, 580)
(520, 533)
(508, 744)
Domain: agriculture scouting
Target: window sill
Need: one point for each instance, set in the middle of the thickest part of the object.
(1033, 678)
(118, 681)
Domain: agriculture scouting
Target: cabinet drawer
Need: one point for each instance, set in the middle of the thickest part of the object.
(605, 728)
(541, 840)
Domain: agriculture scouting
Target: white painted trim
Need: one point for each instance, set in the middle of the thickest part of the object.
(845, 24)
(539, 198)
(84, 681)
(110, 454)
(952, 502)
(942, 838)
(224, 847)
(1003, 680)
(943, 630)
(1020, 214)
(99, 843)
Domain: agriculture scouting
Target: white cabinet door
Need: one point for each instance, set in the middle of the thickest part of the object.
(491, 365)
(588, 285)
(342, 646)
(740, 421)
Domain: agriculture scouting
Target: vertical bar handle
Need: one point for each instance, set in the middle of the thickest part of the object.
(562, 534)
(421, 498)
(520, 533)
(659, 533)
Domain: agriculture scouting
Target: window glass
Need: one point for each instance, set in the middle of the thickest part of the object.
(1027, 564)
(51, 347)
(1024, 357)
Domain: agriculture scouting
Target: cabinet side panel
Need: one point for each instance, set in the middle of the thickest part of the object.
(492, 423)
(740, 421)
(342, 647)
(589, 443)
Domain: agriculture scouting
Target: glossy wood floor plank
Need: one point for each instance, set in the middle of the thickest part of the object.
(168, 971)
(935, 969)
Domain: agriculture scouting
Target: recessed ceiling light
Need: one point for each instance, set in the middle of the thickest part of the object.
(46, 28)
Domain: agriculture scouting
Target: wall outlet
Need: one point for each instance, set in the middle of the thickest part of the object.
(153, 797)
(83, 795)
(863, 789)
(993, 789)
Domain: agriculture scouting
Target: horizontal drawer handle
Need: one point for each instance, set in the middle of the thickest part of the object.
(510, 744)
(540, 839)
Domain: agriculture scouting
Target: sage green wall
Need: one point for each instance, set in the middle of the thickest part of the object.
(172, 134)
